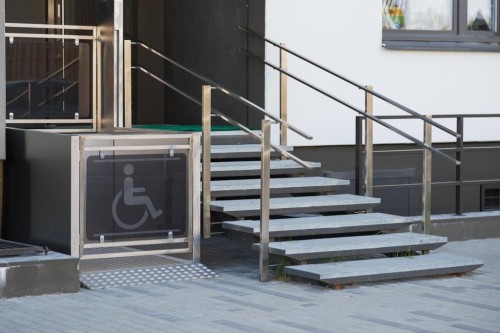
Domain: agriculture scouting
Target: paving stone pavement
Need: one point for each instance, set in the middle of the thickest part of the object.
(237, 302)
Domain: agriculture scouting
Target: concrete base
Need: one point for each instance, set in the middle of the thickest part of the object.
(478, 225)
(53, 273)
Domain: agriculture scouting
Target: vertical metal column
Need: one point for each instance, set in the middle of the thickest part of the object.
(127, 63)
(369, 145)
(206, 100)
(3, 106)
(358, 177)
(458, 168)
(118, 63)
(427, 179)
(195, 209)
(264, 201)
(283, 96)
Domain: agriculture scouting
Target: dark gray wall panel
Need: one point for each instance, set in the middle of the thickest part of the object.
(37, 204)
(477, 165)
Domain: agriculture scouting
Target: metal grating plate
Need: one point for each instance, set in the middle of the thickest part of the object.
(8, 248)
(126, 263)
(145, 275)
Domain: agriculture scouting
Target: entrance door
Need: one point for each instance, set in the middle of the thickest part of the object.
(204, 36)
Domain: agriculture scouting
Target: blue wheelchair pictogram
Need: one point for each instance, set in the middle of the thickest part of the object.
(128, 194)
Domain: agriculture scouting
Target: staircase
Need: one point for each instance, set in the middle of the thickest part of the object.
(322, 235)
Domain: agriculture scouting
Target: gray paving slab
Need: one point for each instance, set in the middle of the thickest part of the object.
(290, 205)
(288, 185)
(355, 245)
(321, 225)
(403, 306)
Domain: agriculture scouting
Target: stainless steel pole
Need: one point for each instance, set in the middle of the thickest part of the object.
(369, 145)
(283, 97)
(264, 201)
(206, 107)
(427, 179)
(127, 63)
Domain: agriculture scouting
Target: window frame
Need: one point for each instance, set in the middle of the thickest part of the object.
(484, 207)
(458, 38)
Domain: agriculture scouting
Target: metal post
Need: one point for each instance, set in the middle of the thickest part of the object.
(283, 97)
(458, 169)
(3, 106)
(195, 185)
(358, 187)
(207, 124)
(427, 179)
(264, 201)
(369, 145)
(127, 63)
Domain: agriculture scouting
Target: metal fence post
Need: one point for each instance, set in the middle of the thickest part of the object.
(206, 107)
(264, 201)
(283, 96)
(358, 176)
(427, 179)
(369, 145)
(458, 168)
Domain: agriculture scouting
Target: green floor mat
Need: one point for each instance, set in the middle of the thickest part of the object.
(185, 128)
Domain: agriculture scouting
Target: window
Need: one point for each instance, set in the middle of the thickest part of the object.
(490, 197)
(441, 24)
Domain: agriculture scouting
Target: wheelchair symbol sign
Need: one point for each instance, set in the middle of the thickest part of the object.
(131, 197)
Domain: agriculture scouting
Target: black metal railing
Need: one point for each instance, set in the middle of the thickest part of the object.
(459, 150)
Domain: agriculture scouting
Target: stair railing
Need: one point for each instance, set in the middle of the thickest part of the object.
(207, 112)
(459, 150)
(366, 114)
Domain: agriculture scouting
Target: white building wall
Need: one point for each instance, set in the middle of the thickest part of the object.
(346, 36)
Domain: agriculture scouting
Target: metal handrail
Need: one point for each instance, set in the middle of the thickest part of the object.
(357, 85)
(225, 118)
(224, 90)
(354, 108)
(448, 116)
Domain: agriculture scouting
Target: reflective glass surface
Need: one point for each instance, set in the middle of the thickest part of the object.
(132, 197)
(418, 15)
(481, 15)
(48, 80)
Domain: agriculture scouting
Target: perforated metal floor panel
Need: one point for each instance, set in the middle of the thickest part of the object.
(146, 275)
(132, 271)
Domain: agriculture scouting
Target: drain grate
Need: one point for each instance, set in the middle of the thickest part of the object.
(9, 249)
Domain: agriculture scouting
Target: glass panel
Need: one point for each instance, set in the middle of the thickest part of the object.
(80, 12)
(135, 197)
(418, 14)
(492, 193)
(481, 15)
(26, 11)
(491, 204)
(48, 80)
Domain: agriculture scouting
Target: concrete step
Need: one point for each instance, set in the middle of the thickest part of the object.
(253, 168)
(220, 152)
(326, 248)
(322, 225)
(233, 138)
(373, 270)
(248, 187)
(291, 205)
